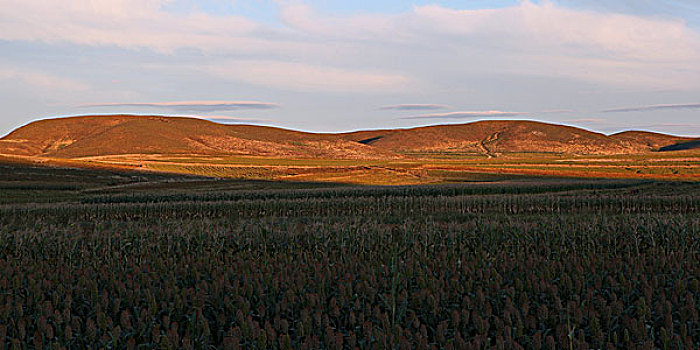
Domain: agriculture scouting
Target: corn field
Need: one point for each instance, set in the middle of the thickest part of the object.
(559, 266)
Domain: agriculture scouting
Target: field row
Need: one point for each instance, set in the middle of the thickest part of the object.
(345, 268)
(493, 281)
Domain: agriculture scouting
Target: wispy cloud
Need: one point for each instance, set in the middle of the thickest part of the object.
(555, 111)
(542, 37)
(586, 120)
(466, 114)
(308, 77)
(681, 129)
(236, 121)
(125, 23)
(414, 107)
(228, 118)
(194, 106)
(41, 79)
(664, 107)
(224, 119)
(680, 125)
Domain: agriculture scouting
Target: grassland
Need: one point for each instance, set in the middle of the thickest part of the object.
(418, 168)
(104, 258)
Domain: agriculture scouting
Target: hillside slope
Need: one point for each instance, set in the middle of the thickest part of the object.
(493, 137)
(645, 139)
(98, 136)
(87, 136)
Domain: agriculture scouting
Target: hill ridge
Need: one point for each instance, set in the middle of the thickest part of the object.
(85, 136)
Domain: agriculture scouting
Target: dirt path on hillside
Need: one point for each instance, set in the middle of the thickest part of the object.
(482, 145)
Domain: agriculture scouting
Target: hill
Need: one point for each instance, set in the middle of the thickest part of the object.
(657, 141)
(497, 137)
(121, 134)
(88, 136)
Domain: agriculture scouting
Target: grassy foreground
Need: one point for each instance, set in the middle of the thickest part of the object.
(96, 259)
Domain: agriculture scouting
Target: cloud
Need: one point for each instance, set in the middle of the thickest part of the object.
(674, 124)
(546, 52)
(650, 108)
(541, 39)
(364, 26)
(684, 129)
(124, 23)
(42, 80)
(587, 120)
(555, 111)
(466, 114)
(414, 107)
(546, 26)
(225, 119)
(304, 77)
(229, 120)
(686, 9)
(194, 106)
(313, 51)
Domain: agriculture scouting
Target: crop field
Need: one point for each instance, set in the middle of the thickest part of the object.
(419, 168)
(413, 169)
(107, 259)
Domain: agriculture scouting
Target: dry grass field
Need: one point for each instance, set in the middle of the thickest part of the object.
(413, 169)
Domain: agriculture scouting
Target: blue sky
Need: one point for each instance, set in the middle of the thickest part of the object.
(331, 65)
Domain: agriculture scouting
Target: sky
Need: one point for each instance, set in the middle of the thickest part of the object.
(332, 65)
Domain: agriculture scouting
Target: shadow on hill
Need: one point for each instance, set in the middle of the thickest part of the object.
(370, 140)
(682, 146)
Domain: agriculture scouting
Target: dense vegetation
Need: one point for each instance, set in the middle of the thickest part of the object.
(551, 265)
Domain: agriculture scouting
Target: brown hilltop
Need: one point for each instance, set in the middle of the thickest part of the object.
(498, 136)
(77, 137)
(112, 135)
(648, 139)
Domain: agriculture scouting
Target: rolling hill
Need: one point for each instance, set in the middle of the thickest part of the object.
(87, 136)
(498, 137)
(112, 135)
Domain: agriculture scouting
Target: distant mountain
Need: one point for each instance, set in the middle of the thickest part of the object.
(87, 136)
